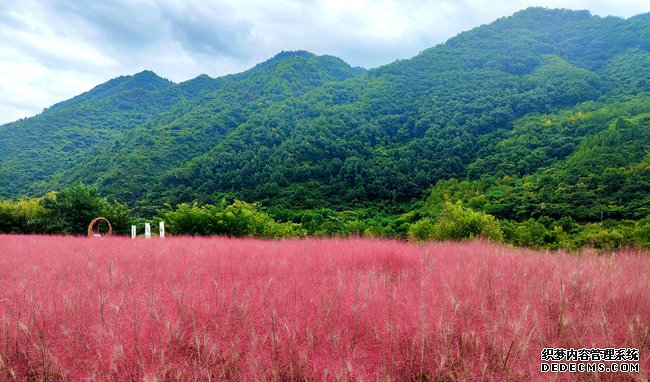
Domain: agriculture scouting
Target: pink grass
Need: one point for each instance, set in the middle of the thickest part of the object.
(356, 309)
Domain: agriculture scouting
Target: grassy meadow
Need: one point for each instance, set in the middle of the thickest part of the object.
(221, 309)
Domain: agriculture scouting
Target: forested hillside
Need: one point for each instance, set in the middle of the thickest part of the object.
(124, 134)
(542, 115)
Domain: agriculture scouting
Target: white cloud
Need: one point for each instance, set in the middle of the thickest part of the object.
(51, 51)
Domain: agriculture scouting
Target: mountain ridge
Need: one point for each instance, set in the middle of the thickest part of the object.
(145, 80)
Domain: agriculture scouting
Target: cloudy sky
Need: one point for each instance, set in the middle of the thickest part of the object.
(52, 50)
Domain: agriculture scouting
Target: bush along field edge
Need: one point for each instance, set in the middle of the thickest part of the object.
(69, 211)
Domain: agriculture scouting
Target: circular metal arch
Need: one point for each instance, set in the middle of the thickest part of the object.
(93, 227)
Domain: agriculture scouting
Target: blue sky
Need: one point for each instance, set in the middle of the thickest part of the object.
(52, 50)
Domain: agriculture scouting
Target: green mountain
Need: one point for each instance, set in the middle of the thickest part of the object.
(544, 113)
(125, 133)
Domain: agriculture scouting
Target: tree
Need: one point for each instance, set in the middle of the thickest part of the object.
(72, 209)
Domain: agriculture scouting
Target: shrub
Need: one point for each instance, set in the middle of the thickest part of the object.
(456, 222)
(236, 219)
(20, 216)
(191, 220)
(243, 219)
(642, 233)
(459, 223)
(421, 230)
(595, 235)
(532, 233)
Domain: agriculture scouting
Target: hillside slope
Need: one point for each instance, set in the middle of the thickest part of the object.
(124, 133)
(386, 137)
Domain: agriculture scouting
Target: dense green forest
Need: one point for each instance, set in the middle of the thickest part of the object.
(534, 130)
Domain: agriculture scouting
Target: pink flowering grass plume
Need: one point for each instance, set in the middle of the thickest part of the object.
(210, 309)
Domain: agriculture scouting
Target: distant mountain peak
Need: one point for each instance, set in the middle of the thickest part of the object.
(554, 12)
(284, 55)
(288, 64)
(149, 74)
(203, 77)
(293, 53)
(148, 80)
(145, 80)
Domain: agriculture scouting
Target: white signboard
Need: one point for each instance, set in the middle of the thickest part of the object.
(147, 230)
(161, 229)
(133, 232)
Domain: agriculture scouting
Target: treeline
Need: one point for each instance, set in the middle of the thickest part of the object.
(70, 211)
(66, 212)
(457, 222)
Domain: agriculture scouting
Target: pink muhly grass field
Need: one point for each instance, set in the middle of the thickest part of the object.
(351, 309)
